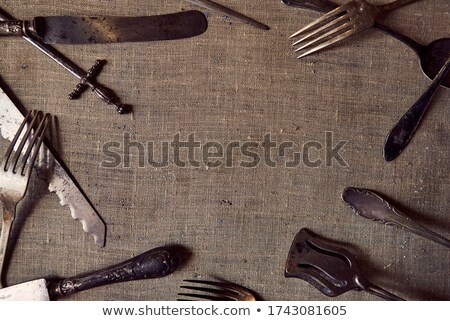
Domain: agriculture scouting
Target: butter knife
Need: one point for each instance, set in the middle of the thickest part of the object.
(231, 13)
(60, 180)
(370, 205)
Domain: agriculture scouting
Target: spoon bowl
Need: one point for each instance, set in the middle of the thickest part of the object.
(432, 56)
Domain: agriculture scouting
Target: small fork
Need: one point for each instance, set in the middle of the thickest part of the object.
(341, 23)
(219, 291)
(15, 175)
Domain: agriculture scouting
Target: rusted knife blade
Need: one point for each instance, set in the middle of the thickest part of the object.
(85, 30)
(60, 180)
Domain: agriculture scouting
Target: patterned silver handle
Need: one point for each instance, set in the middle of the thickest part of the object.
(155, 263)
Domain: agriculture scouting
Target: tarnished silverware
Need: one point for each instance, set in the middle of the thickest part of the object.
(432, 56)
(401, 134)
(231, 13)
(329, 268)
(87, 79)
(156, 263)
(369, 204)
(217, 291)
(70, 30)
(15, 173)
(56, 174)
(316, 5)
(341, 23)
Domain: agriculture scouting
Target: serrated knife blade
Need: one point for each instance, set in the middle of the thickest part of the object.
(60, 181)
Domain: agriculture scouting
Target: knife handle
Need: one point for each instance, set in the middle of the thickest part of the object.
(16, 28)
(155, 263)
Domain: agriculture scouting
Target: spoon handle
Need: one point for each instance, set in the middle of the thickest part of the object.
(372, 206)
(403, 131)
(371, 288)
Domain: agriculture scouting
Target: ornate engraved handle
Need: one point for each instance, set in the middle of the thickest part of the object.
(372, 206)
(102, 92)
(155, 263)
(15, 28)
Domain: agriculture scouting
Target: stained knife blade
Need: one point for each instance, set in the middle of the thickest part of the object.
(60, 181)
(156, 263)
(108, 29)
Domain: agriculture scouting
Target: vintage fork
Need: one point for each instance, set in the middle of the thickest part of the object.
(15, 175)
(218, 291)
(341, 23)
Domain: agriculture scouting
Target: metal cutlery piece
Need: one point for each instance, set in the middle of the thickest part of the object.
(316, 5)
(56, 174)
(90, 30)
(432, 56)
(329, 268)
(401, 134)
(371, 205)
(218, 291)
(87, 79)
(15, 173)
(341, 23)
(156, 263)
(229, 12)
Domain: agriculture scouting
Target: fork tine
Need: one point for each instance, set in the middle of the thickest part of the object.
(224, 293)
(321, 45)
(13, 143)
(332, 24)
(36, 143)
(36, 140)
(336, 12)
(326, 44)
(218, 291)
(204, 297)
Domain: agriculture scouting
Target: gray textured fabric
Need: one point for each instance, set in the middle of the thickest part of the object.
(238, 84)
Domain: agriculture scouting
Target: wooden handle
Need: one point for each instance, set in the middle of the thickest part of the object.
(155, 263)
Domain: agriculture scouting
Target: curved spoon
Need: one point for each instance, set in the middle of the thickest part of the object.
(432, 56)
(372, 206)
(403, 131)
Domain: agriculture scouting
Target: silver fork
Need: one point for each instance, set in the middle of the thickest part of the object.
(341, 23)
(15, 172)
(218, 291)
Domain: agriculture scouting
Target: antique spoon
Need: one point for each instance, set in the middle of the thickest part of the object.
(370, 205)
(432, 56)
(403, 131)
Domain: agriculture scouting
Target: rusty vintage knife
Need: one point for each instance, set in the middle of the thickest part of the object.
(84, 30)
(156, 263)
(60, 180)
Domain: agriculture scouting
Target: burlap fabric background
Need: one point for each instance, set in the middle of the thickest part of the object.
(237, 83)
